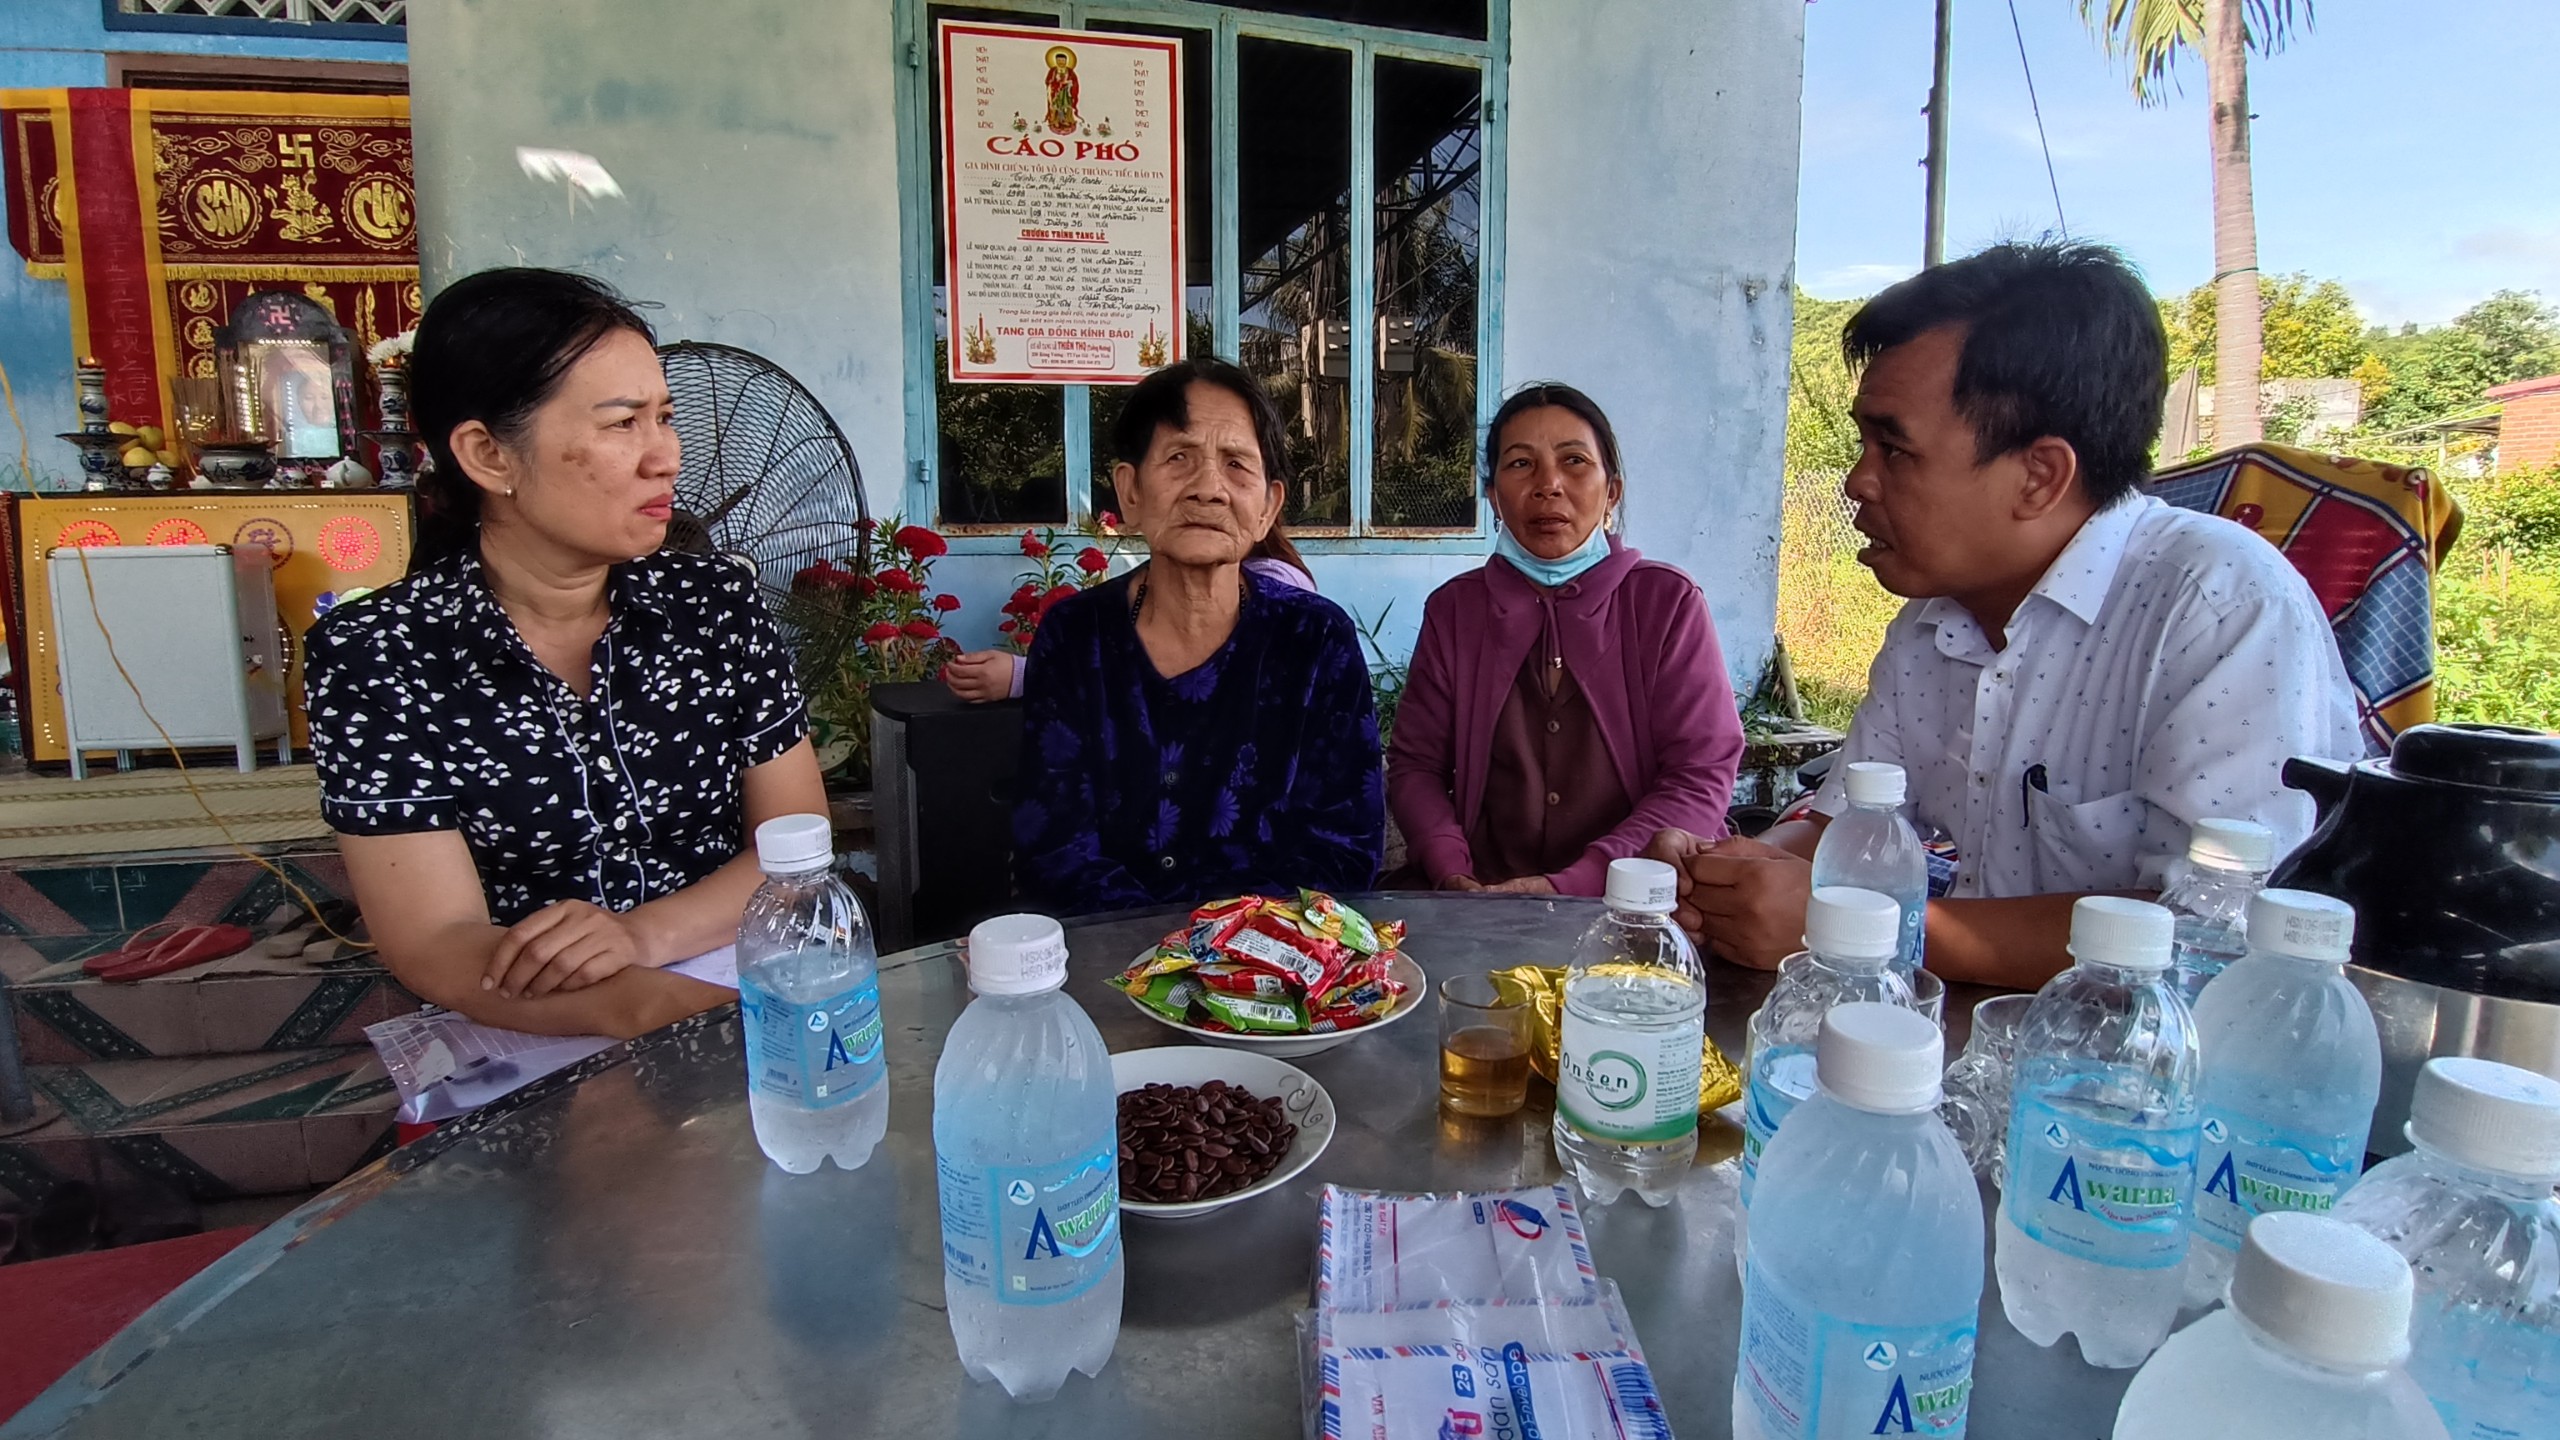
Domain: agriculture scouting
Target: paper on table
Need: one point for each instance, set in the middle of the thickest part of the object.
(443, 1064)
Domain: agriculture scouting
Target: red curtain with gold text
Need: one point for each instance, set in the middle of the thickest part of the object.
(162, 209)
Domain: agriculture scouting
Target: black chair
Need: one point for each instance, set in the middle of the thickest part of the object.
(942, 793)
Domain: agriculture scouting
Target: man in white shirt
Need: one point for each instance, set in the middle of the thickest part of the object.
(2082, 672)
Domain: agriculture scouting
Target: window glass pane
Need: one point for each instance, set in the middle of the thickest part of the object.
(1198, 52)
(1293, 193)
(1430, 181)
(1000, 453)
(1464, 19)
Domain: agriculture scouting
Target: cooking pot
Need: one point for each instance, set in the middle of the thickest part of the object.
(2449, 850)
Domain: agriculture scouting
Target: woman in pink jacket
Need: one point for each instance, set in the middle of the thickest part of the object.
(1567, 700)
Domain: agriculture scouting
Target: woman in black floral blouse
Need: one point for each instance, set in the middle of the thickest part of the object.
(544, 751)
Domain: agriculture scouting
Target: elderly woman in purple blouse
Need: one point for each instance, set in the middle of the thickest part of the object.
(1197, 728)
(1568, 699)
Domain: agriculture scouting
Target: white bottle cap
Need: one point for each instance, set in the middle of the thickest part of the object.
(790, 844)
(1886, 1059)
(2324, 1291)
(2302, 925)
(2128, 934)
(1648, 887)
(2231, 844)
(1845, 923)
(1017, 955)
(2489, 1116)
(1876, 782)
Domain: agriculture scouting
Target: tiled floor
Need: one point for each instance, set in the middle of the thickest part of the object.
(245, 1082)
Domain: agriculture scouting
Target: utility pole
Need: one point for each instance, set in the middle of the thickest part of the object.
(1933, 242)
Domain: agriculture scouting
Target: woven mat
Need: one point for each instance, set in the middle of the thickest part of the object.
(154, 810)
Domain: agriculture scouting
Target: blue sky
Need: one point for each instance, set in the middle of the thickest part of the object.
(2410, 150)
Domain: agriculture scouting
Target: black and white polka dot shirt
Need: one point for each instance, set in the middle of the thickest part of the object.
(429, 712)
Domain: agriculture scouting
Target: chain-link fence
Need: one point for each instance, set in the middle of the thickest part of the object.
(1831, 612)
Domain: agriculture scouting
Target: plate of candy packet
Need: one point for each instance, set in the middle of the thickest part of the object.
(1285, 977)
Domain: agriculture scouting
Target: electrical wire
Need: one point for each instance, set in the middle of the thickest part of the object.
(309, 906)
(2037, 108)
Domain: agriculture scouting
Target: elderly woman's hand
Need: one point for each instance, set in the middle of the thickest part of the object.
(1525, 885)
(980, 675)
(568, 945)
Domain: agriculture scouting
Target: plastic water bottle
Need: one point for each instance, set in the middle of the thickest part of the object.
(2471, 1210)
(1850, 939)
(2227, 862)
(1026, 1141)
(1635, 1027)
(2292, 1067)
(1871, 846)
(809, 994)
(1859, 1302)
(2309, 1350)
(2092, 1233)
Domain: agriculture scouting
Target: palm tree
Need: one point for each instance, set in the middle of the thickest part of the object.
(2151, 33)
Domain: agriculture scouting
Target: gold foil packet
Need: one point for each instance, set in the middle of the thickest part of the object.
(1542, 990)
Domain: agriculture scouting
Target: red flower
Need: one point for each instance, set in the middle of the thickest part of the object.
(900, 581)
(1093, 561)
(865, 586)
(921, 630)
(881, 633)
(920, 542)
(1005, 629)
(867, 525)
(1033, 546)
(1109, 521)
(1056, 593)
(946, 603)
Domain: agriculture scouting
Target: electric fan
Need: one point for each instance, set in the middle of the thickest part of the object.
(768, 480)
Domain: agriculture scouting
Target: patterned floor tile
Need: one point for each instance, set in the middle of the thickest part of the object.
(34, 1164)
(117, 1097)
(84, 894)
(26, 910)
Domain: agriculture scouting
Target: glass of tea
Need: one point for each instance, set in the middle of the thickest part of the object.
(1484, 1048)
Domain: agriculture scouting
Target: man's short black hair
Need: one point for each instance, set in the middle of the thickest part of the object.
(1164, 398)
(2061, 338)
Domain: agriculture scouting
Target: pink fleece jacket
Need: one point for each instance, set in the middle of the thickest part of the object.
(1638, 640)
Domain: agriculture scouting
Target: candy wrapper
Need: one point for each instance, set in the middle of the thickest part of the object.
(1542, 990)
(1171, 996)
(1248, 1016)
(1270, 941)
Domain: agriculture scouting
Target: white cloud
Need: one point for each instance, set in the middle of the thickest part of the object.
(1842, 282)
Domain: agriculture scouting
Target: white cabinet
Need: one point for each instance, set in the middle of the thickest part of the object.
(168, 645)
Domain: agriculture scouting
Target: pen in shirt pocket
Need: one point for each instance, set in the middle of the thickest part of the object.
(2030, 784)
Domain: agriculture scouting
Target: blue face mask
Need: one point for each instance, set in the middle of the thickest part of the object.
(1551, 573)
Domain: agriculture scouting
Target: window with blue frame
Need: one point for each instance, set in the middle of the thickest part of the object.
(1343, 190)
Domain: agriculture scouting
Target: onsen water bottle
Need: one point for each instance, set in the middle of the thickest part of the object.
(2310, 1348)
(2471, 1209)
(1633, 1042)
(1850, 940)
(2102, 1143)
(2292, 1067)
(1026, 1141)
(1870, 846)
(1859, 1302)
(809, 997)
(2227, 862)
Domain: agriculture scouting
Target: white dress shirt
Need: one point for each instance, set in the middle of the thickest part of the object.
(2163, 670)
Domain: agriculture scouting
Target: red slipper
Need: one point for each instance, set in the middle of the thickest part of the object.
(136, 948)
(193, 945)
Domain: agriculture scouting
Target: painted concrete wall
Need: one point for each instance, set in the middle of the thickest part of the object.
(756, 144)
(1654, 147)
(65, 42)
(756, 147)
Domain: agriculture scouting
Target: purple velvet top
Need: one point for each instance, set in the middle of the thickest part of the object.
(1636, 637)
(1256, 770)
